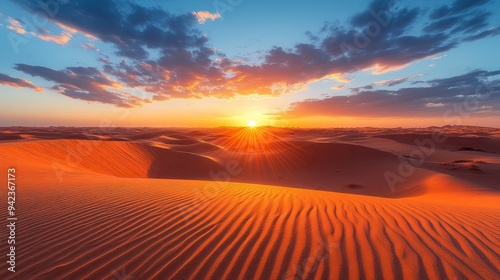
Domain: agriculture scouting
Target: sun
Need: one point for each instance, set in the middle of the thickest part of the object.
(252, 123)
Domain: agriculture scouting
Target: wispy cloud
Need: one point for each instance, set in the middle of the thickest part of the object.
(439, 57)
(482, 88)
(61, 39)
(202, 16)
(7, 80)
(434, 105)
(391, 83)
(84, 83)
(89, 47)
(17, 26)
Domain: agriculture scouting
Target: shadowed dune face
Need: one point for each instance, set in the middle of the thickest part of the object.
(95, 209)
(326, 166)
(454, 143)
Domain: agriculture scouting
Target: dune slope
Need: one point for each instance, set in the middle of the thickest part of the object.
(96, 209)
(121, 159)
(171, 229)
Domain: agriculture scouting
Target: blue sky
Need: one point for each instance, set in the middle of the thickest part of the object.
(287, 63)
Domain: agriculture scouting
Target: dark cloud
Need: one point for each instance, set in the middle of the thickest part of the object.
(440, 12)
(463, 5)
(130, 27)
(476, 92)
(488, 33)
(7, 80)
(84, 83)
(443, 24)
(474, 23)
(457, 7)
(472, 78)
(461, 16)
(358, 89)
(183, 66)
(388, 83)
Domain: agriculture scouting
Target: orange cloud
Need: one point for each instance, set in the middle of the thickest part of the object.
(72, 30)
(380, 68)
(43, 34)
(391, 82)
(16, 26)
(339, 77)
(62, 39)
(7, 80)
(202, 16)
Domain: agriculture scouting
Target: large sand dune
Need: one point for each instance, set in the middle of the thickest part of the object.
(148, 206)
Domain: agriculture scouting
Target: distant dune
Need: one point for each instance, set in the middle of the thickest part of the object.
(264, 203)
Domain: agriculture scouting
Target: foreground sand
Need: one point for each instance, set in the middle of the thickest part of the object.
(105, 216)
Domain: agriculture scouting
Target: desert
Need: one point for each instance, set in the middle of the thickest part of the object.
(243, 203)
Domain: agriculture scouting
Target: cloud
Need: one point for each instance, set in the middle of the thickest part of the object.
(476, 89)
(434, 105)
(202, 16)
(84, 83)
(131, 28)
(89, 47)
(62, 39)
(457, 7)
(439, 57)
(7, 80)
(16, 26)
(391, 83)
(168, 56)
(387, 83)
(41, 33)
(491, 32)
(462, 17)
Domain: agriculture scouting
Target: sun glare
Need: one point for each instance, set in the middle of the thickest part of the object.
(252, 123)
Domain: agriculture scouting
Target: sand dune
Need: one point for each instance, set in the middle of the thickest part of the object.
(324, 166)
(121, 159)
(166, 229)
(455, 143)
(107, 209)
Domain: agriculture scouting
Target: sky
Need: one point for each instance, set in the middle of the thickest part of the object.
(173, 63)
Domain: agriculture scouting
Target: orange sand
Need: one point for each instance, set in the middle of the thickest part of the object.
(289, 204)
